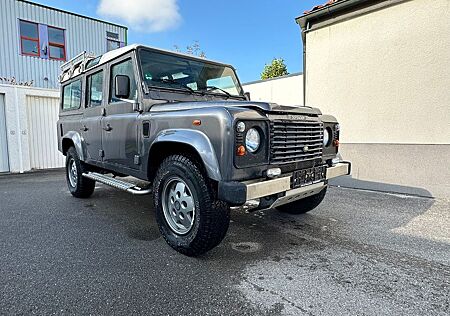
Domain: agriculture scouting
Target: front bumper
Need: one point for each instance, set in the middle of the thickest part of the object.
(238, 193)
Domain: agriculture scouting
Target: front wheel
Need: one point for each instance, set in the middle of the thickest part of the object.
(189, 216)
(79, 186)
(304, 205)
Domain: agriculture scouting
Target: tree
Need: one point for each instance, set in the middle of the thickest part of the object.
(193, 49)
(276, 69)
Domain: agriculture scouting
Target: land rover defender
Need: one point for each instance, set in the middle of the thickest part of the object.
(184, 127)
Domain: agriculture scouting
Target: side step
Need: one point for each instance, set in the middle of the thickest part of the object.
(116, 183)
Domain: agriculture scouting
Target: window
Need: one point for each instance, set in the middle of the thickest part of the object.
(123, 68)
(95, 89)
(56, 43)
(29, 38)
(112, 44)
(112, 41)
(72, 95)
(42, 41)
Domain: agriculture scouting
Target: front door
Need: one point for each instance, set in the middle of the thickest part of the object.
(119, 125)
(91, 126)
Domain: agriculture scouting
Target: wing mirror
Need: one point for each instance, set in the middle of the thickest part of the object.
(122, 86)
(247, 96)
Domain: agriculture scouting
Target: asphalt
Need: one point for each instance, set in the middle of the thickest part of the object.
(358, 253)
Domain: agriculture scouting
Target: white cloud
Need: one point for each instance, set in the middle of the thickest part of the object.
(143, 15)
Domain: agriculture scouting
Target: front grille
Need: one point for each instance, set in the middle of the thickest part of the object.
(292, 141)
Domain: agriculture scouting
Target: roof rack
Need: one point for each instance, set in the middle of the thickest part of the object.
(75, 66)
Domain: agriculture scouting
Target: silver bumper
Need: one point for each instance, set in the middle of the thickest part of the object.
(256, 190)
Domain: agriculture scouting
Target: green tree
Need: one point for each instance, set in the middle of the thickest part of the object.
(193, 49)
(276, 69)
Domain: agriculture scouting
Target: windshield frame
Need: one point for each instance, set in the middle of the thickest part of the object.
(193, 58)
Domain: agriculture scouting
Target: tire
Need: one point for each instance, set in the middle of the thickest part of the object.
(79, 186)
(189, 216)
(304, 205)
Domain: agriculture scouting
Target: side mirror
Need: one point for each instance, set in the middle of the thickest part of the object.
(122, 86)
(247, 96)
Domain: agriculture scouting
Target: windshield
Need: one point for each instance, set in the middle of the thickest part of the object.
(177, 72)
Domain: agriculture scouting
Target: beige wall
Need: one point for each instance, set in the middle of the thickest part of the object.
(287, 90)
(385, 75)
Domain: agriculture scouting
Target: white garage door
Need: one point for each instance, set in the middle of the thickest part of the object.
(42, 117)
(4, 166)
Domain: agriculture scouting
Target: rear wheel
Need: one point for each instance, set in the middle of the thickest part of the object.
(79, 186)
(189, 216)
(304, 205)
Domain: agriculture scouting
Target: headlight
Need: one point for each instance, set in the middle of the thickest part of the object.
(252, 140)
(326, 136)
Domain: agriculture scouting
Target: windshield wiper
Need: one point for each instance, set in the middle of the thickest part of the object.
(210, 88)
(178, 84)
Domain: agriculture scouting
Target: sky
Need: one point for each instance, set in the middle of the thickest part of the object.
(245, 33)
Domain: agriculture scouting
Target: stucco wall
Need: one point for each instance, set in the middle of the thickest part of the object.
(386, 74)
(287, 90)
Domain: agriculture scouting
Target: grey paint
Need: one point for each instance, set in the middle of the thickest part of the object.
(81, 34)
(4, 165)
(127, 151)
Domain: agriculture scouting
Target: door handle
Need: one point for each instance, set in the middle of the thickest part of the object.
(84, 128)
(107, 128)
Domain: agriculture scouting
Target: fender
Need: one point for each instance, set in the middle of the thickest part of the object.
(197, 140)
(77, 141)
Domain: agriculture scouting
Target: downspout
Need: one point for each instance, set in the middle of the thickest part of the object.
(304, 64)
(19, 129)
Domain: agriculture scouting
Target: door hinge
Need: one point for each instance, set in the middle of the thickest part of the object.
(101, 153)
(137, 159)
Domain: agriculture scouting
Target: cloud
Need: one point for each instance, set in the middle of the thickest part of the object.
(143, 15)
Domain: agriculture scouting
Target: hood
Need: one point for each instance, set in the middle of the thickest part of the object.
(261, 106)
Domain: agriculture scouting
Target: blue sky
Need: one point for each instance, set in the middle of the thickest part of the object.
(245, 33)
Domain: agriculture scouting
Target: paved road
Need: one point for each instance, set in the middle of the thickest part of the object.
(359, 253)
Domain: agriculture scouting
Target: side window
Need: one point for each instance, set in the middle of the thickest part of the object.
(94, 94)
(123, 68)
(72, 95)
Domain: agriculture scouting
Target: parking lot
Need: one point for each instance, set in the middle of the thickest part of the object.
(360, 252)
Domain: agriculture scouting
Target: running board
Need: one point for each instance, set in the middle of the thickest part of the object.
(116, 183)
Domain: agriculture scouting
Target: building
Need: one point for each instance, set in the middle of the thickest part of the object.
(36, 41)
(382, 68)
(287, 90)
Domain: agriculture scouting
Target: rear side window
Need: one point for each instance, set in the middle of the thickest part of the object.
(72, 95)
(94, 89)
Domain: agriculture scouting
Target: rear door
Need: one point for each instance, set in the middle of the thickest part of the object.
(91, 126)
(120, 143)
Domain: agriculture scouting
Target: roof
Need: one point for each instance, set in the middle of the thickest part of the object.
(72, 13)
(321, 6)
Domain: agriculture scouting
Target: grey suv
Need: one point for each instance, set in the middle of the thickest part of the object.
(186, 128)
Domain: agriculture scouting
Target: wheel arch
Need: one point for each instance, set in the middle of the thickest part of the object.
(73, 139)
(191, 142)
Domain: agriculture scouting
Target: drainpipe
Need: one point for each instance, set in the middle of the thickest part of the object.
(19, 129)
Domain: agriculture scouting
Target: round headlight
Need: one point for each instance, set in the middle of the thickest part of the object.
(252, 140)
(326, 136)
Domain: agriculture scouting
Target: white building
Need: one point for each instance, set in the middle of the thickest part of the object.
(382, 68)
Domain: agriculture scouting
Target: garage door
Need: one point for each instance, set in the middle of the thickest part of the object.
(42, 115)
(4, 165)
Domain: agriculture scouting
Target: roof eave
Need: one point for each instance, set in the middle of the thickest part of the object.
(326, 11)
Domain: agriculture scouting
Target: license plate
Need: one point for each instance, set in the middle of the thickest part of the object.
(308, 176)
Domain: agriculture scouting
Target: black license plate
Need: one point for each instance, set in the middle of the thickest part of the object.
(308, 176)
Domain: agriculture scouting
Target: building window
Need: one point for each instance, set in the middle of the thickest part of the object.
(112, 44)
(29, 38)
(112, 41)
(42, 41)
(72, 95)
(56, 43)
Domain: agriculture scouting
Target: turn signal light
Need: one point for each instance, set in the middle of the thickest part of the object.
(336, 143)
(197, 122)
(240, 151)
